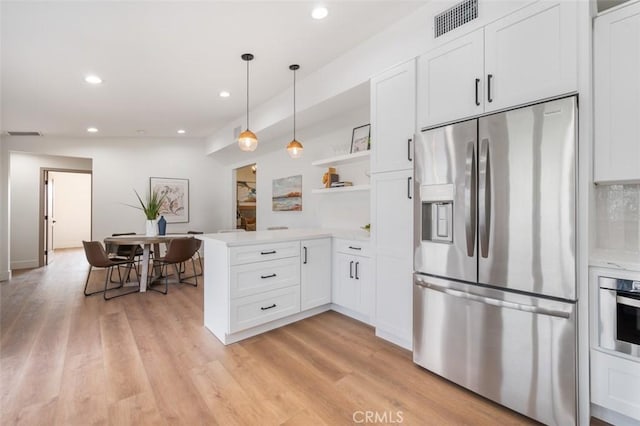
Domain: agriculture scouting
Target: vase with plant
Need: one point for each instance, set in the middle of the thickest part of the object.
(151, 211)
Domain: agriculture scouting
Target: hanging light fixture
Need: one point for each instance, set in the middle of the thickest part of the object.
(294, 148)
(247, 141)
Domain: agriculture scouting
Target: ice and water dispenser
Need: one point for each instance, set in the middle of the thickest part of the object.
(437, 213)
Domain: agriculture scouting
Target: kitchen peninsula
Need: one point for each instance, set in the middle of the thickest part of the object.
(258, 281)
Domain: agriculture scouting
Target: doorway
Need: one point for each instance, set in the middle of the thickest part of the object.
(65, 211)
(246, 197)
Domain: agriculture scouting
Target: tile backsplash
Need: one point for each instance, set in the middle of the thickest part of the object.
(618, 217)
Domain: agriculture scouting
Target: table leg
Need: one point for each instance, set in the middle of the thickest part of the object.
(145, 267)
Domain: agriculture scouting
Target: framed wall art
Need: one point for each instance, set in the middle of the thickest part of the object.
(175, 206)
(360, 138)
(287, 194)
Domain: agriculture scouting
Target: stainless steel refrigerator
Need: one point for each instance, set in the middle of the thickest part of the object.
(495, 271)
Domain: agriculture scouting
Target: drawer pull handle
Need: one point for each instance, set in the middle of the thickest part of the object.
(267, 276)
(357, 277)
(355, 248)
(268, 252)
(351, 269)
(268, 307)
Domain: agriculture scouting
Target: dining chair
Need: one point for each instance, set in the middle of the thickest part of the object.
(180, 250)
(98, 258)
(126, 251)
(198, 256)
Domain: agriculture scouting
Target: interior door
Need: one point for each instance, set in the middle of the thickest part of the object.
(49, 221)
(526, 199)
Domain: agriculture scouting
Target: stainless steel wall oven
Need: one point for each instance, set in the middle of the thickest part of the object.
(619, 321)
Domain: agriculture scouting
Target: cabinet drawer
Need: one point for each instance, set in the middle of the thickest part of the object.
(250, 311)
(358, 248)
(615, 383)
(254, 278)
(260, 252)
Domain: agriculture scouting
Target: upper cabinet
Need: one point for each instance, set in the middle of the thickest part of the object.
(528, 55)
(617, 95)
(531, 54)
(393, 118)
(450, 84)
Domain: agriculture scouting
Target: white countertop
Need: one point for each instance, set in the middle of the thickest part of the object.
(615, 259)
(278, 235)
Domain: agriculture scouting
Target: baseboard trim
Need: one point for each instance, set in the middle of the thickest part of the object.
(24, 264)
(5, 275)
(611, 416)
(227, 339)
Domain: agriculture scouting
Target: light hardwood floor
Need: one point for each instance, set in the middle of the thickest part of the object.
(68, 359)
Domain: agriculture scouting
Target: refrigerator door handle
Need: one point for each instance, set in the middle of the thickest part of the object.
(470, 198)
(484, 198)
(491, 301)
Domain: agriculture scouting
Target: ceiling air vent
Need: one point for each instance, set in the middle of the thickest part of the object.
(24, 133)
(455, 17)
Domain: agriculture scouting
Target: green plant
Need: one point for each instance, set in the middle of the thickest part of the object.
(152, 208)
(367, 227)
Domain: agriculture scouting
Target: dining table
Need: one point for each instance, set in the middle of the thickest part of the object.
(146, 242)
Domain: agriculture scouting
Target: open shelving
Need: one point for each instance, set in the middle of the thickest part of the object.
(343, 159)
(364, 187)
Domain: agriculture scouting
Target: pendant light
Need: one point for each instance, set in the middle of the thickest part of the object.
(294, 148)
(247, 141)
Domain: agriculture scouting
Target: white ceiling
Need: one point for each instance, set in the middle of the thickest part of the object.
(164, 63)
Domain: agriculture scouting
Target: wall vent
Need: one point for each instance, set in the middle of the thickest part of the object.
(455, 17)
(24, 133)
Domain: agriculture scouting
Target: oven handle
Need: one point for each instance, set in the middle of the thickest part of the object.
(494, 302)
(627, 301)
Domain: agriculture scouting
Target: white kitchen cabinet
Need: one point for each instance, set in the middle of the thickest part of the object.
(531, 54)
(392, 236)
(353, 293)
(615, 383)
(526, 56)
(393, 98)
(450, 81)
(315, 282)
(617, 95)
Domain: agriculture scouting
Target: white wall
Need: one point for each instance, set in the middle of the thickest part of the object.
(25, 172)
(71, 209)
(122, 165)
(5, 272)
(343, 211)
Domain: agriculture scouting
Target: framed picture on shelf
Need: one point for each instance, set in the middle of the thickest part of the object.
(175, 205)
(360, 138)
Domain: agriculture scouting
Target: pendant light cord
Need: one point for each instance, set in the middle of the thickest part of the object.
(294, 104)
(247, 95)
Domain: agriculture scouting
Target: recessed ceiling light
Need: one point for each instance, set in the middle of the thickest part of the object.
(319, 12)
(182, 131)
(224, 94)
(93, 79)
(92, 130)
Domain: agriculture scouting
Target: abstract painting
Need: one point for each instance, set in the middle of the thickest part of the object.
(287, 194)
(175, 205)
